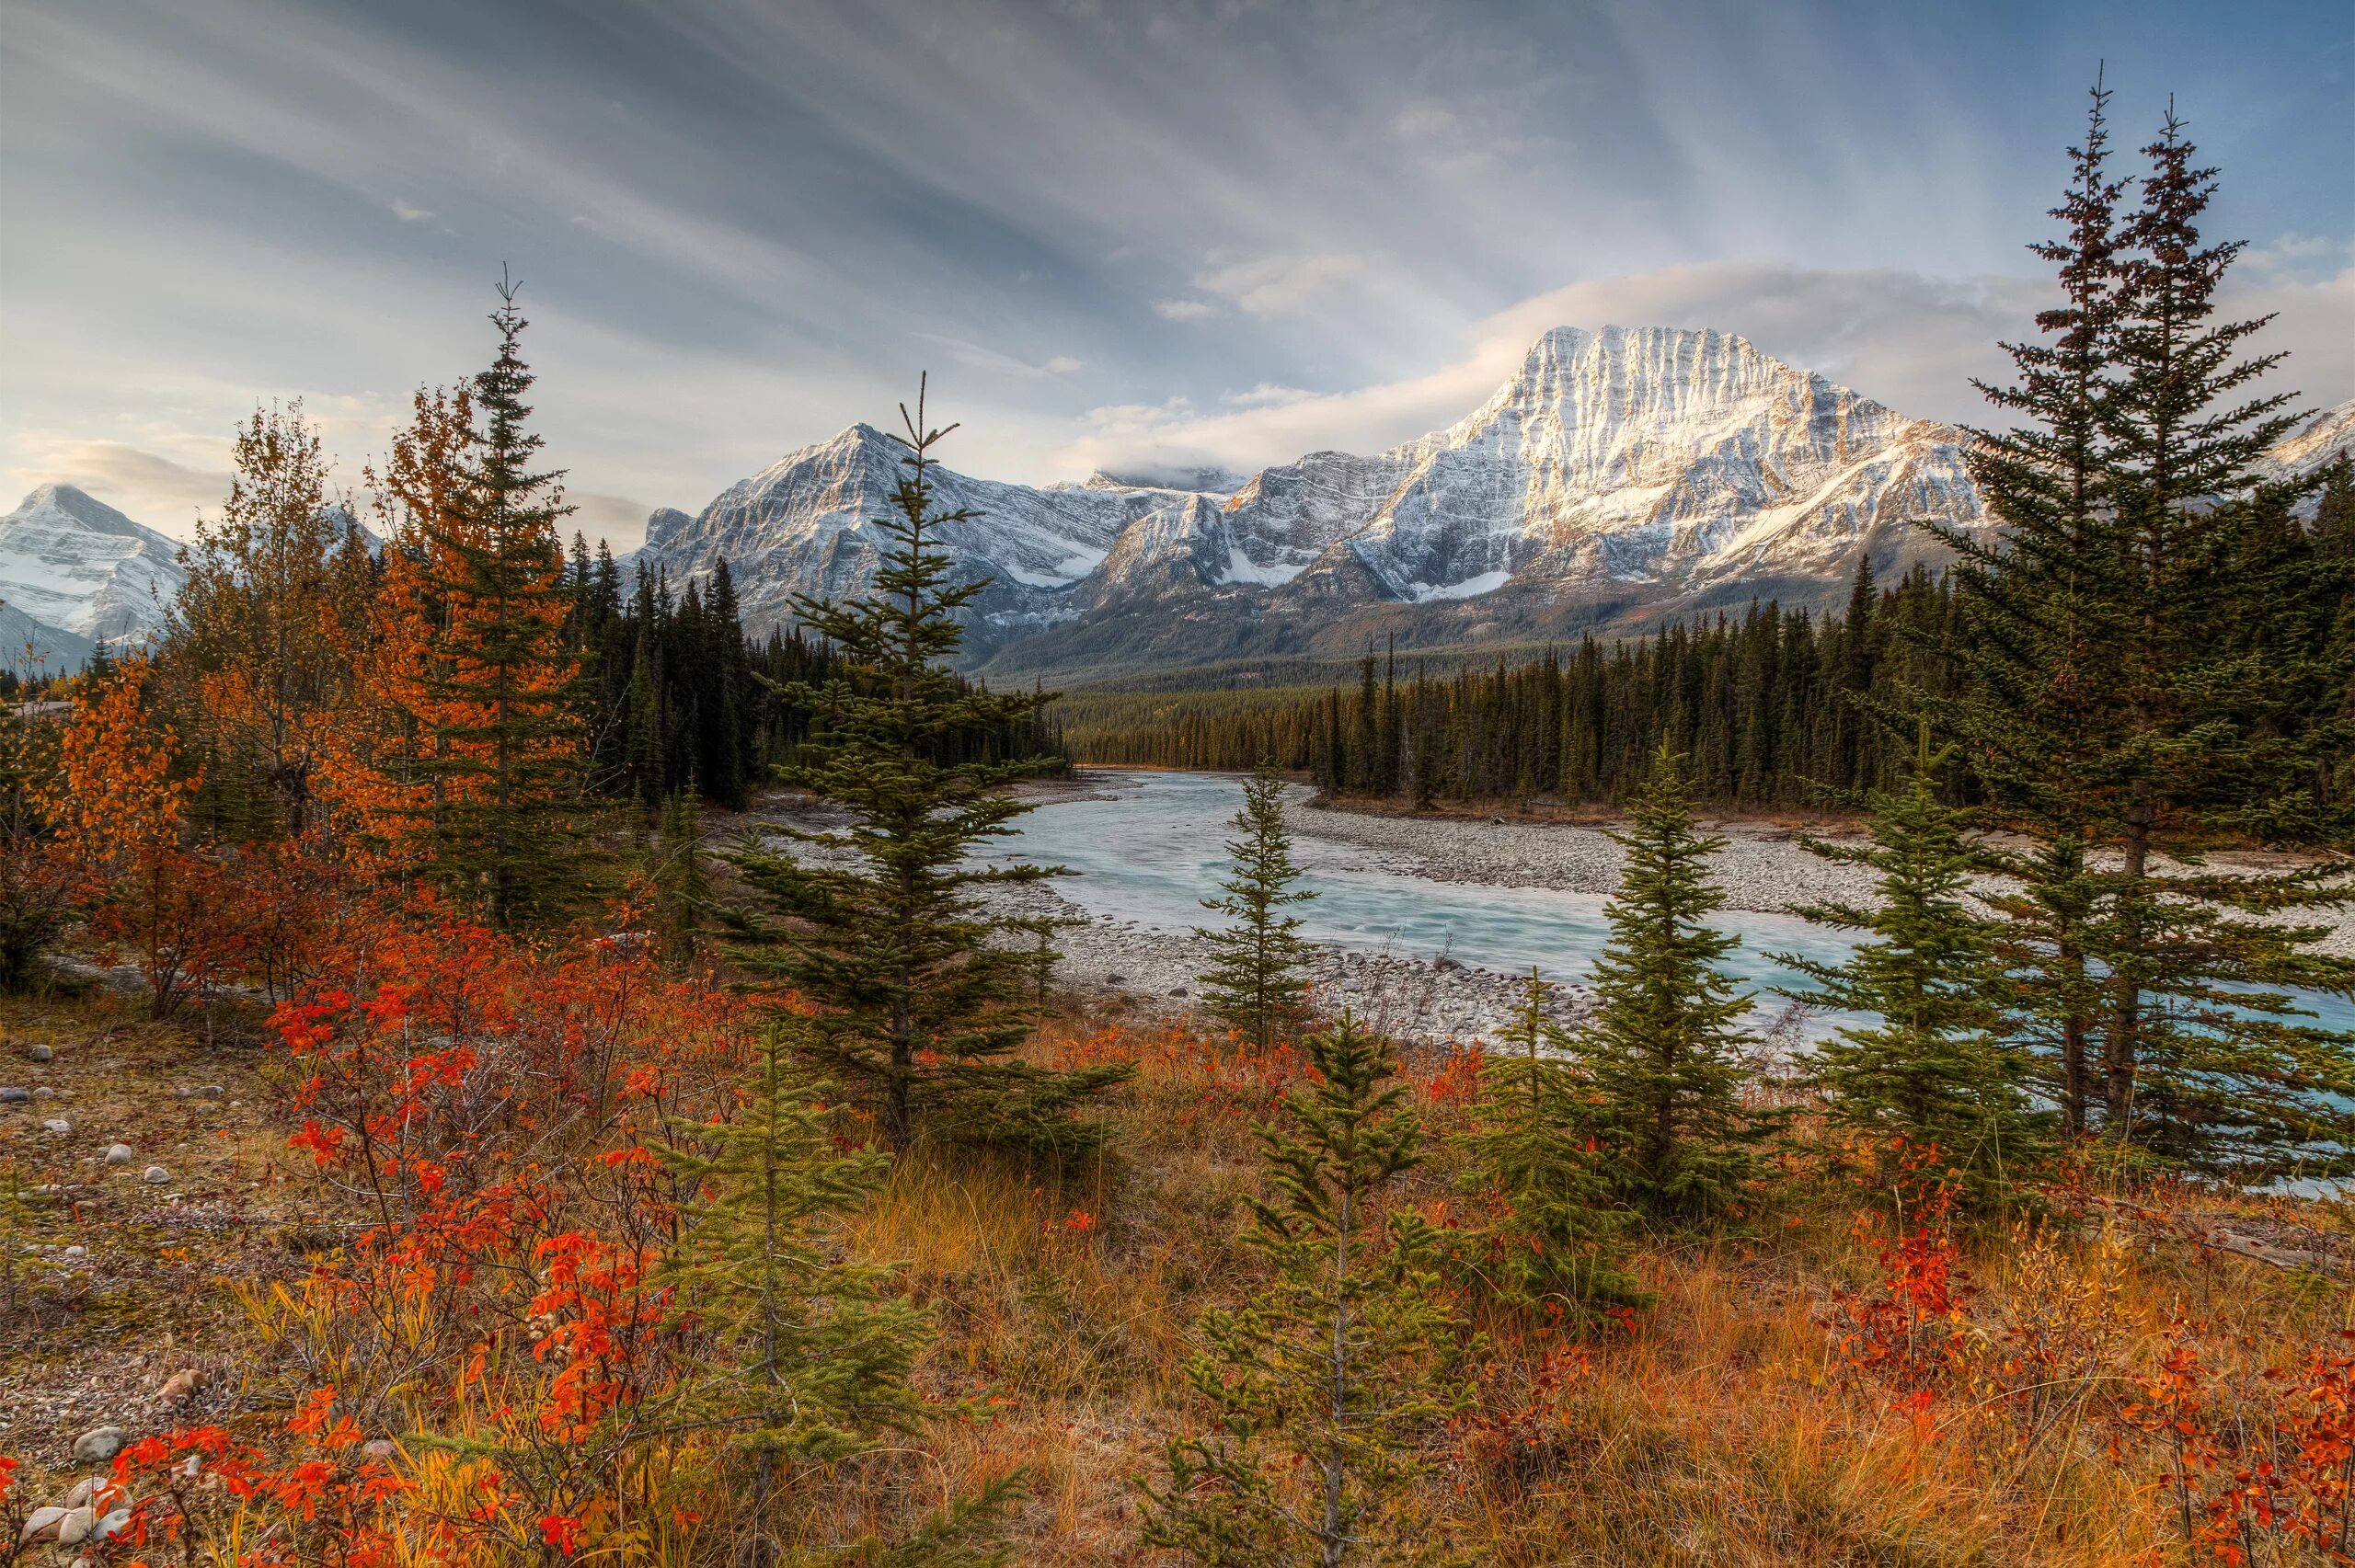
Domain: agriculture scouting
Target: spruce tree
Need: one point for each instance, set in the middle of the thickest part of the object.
(1254, 982)
(2211, 740)
(1547, 1248)
(1321, 1392)
(1663, 1045)
(506, 751)
(810, 1355)
(1935, 1067)
(2041, 600)
(920, 1009)
(641, 725)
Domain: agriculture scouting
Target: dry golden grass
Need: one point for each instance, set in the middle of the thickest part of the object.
(1726, 1425)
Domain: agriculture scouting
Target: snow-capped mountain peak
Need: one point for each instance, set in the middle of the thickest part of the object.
(1620, 475)
(72, 562)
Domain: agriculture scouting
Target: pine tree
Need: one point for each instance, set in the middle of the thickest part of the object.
(921, 1011)
(471, 757)
(1532, 1157)
(1934, 1068)
(516, 750)
(2210, 736)
(810, 1355)
(1254, 982)
(1320, 1391)
(641, 748)
(1663, 1048)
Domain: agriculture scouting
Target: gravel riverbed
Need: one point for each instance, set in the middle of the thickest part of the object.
(1763, 867)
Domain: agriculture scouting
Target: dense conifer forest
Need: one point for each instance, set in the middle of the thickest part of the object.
(1775, 709)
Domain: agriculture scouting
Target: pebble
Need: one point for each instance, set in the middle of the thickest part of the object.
(44, 1092)
(89, 1489)
(154, 1175)
(98, 1446)
(57, 1125)
(41, 1053)
(75, 1253)
(120, 1155)
(15, 1096)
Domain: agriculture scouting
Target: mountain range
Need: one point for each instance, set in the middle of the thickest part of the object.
(1619, 478)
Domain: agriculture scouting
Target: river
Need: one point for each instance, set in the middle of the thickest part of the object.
(1144, 849)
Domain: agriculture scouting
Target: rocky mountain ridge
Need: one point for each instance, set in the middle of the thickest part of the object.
(1642, 472)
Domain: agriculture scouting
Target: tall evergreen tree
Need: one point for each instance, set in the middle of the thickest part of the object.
(1547, 1245)
(1663, 1048)
(1321, 1392)
(2209, 733)
(1936, 1065)
(921, 1011)
(504, 748)
(2043, 600)
(1254, 982)
(681, 881)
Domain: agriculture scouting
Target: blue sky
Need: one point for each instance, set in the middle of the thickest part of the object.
(1116, 233)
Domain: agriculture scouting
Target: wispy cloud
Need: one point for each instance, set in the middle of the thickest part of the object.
(1278, 285)
(147, 486)
(730, 251)
(1908, 341)
(982, 358)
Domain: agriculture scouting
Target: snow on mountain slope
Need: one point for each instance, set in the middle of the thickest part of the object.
(1617, 468)
(806, 525)
(77, 563)
(2319, 442)
(1651, 456)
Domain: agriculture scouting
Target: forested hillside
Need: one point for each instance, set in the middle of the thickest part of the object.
(1772, 708)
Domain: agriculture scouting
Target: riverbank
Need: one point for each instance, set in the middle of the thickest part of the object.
(1763, 867)
(1157, 972)
(1154, 970)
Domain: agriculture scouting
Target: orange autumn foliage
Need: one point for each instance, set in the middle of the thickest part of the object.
(115, 805)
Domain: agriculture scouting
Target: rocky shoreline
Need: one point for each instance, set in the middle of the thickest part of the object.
(1763, 867)
(1406, 998)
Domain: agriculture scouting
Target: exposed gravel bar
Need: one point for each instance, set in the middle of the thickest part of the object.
(1763, 866)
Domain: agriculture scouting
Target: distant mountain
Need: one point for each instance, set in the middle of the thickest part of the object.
(76, 564)
(31, 647)
(806, 525)
(1621, 474)
(2326, 439)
